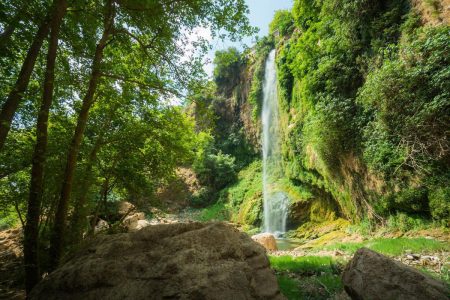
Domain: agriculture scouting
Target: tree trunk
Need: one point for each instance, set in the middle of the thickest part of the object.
(15, 96)
(80, 210)
(79, 213)
(31, 233)
(56, 240)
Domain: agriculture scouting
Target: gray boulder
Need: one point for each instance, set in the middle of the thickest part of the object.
(175, 261)
(370, 275)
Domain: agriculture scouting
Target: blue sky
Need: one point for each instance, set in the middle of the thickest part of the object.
(261, 14)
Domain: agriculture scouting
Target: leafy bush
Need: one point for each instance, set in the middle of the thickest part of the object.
(408, 200)
(282, 23)
(215, 212)
(411, 136)
(403, 222)
(440, 204)
(213, 168)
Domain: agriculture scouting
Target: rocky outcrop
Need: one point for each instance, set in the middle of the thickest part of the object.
(370, 275)
(176, 261)
(11, 267)
(131, 221)
(101, 226)
(267, 240)
(125, 208)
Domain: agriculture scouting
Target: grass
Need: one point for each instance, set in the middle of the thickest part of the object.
(392, 246)
(289, 287)
(215, 212)
(307, 277)
(304, 264)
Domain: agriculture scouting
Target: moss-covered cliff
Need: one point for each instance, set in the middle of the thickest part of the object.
(364, 92)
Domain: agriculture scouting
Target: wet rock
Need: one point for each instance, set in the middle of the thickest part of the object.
(177, 261)
(370, 275)
(267, 240)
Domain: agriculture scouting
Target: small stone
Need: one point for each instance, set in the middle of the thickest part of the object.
(267, 240)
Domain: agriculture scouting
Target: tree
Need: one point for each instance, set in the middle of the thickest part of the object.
(157, 29)
(15, 96)
(31, 233)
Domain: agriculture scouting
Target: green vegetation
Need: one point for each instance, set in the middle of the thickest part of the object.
(354, 141)
(289, 287)
(393, 246)
(90, 116)
(304, 264)
(244, 198)
(215, 212)
(308, 277)
(86, 117)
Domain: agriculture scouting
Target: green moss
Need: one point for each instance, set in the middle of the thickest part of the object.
(312, 230)
(322, 211)
(244, 198)
(250, 210)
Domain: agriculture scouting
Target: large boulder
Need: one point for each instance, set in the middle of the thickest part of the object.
(175, 261)
(370, 275)
(267, 240)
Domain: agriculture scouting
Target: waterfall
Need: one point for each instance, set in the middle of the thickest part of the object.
(276, 203)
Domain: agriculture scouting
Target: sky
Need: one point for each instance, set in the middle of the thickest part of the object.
(261, 14)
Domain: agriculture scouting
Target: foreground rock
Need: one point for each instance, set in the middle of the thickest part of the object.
(176, 261)
(11, 267)
(267, 240)
(370, 275)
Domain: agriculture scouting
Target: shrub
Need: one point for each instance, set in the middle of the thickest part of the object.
(402, 222)
(440, 204)
(408, 200)
(282, 22)
(417, 130)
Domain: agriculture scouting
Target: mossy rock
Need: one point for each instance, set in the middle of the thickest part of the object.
(250, 211)
(314, 230)
(322, 210)
(327, 239)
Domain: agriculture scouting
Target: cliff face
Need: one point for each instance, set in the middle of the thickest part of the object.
(433, 12)
(364, 106)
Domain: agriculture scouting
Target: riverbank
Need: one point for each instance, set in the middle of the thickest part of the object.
(307, 268)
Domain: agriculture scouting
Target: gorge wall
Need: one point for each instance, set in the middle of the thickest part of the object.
(364, 91)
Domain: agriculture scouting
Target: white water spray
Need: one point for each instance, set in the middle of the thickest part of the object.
(276, 203)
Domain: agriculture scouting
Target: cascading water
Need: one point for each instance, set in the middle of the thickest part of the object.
(276, 203)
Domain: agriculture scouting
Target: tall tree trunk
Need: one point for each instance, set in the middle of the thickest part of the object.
(31, 233)
(57, 237)
(15, 96)
(79, 213)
